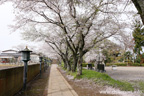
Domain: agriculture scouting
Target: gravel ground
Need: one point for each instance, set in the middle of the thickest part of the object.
(126, 73)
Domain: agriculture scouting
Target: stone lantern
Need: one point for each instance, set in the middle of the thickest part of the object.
(25, 59)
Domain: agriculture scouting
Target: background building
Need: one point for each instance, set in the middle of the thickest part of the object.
(14, 57)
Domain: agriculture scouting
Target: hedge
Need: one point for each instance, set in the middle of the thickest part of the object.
(137, 64)
(85, 64)
(118, 64)
(124, 64)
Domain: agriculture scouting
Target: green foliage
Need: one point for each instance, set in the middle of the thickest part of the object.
(121, 59)
(142, 55)
(138, 59)
(115, 53)
(138, 35)
(104, 79)
(128, 55)
(108, 59)
(111, 55)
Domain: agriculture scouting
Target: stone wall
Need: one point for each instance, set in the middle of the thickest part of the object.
(11, 80)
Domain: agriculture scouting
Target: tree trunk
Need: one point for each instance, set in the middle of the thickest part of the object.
(95, 65)
(65, 65)
(81, 53)
(79, 65)
(74, 63)
(79, 68)
(139, 4)
(68, 67)
(64, 60)
(141, 61)
(68, 63)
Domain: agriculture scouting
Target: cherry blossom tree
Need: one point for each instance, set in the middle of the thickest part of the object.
(71, 27)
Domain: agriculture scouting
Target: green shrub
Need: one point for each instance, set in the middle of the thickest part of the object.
(124, 64)
(85, 64)
(118, 64)
(135, 64)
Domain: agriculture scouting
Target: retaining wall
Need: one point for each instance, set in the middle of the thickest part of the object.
(11, 80)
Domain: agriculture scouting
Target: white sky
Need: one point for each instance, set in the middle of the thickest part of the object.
(8, 39)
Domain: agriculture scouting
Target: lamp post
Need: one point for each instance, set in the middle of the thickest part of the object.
(40, 59)
(25, 59)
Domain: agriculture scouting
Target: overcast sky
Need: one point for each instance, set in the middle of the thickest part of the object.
(8, 39)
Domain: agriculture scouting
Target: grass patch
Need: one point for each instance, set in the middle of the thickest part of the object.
(62, 65)
(68, 72)
(72, 73)
(141, 84)
(104, 79)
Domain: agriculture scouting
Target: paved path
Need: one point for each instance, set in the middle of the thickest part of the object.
(57, 85)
